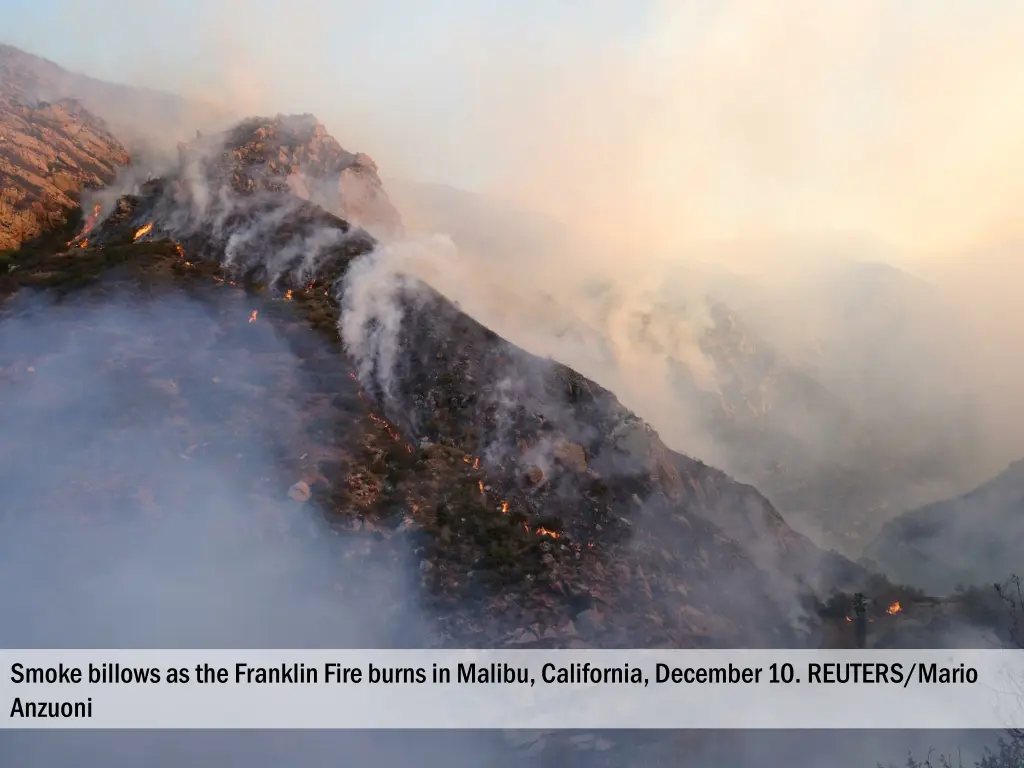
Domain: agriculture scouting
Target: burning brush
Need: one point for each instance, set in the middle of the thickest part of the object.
(89, 224)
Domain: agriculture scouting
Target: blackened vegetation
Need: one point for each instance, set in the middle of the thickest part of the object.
(540, 511)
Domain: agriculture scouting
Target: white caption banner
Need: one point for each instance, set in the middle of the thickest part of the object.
(673, 689)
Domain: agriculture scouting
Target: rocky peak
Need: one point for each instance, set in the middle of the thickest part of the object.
(295, 153)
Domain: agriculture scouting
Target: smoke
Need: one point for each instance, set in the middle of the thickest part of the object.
(143, 505)
(675, 151)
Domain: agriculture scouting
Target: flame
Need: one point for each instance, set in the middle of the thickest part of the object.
(392, 432)
(180, 250)
(893, 609)
(254, 315)
(144, 230)
(476, 464)
(481, 484)
(547, 532)
(288, 295)
(89, 224)
(91, 221)
(84, 243)
(504, 507)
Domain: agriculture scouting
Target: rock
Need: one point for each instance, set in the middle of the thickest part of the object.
(571, 455)
(534, 475)
(300, 492)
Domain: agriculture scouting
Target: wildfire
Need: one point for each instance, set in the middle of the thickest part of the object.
(504, 507)
(254, 315)
(84, 243)
(144, 230)
(547, 532)
(91, 221)
(288, 295)
(89, 224)
(481, 484)
(893, 609)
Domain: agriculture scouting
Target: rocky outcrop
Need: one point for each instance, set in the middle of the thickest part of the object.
(296, 154)
(49, 153)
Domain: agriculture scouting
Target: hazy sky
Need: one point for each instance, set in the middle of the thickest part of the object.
(688, 121)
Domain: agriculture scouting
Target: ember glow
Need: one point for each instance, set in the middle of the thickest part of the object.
(504, 507)
(144, 230)
(547, 532)
(288, 295)
(253, 316)
(481, 484)
(84, 243)
(893, 609)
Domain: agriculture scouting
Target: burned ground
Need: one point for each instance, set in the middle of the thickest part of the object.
(460, 491)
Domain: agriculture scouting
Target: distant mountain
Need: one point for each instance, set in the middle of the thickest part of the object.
(977, 538)
(141, 118)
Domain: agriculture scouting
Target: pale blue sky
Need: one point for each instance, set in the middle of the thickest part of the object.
(351, 62)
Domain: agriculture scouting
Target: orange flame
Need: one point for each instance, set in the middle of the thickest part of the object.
(84, 243)
(253, 316)
(144, 230)
(288, 295)
(481, 484)
(89, 224)
(504, 507)
(546, 532)
(893, 609)
(476, 464)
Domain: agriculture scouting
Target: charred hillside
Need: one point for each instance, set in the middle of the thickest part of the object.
(538, 508)
(231, 418)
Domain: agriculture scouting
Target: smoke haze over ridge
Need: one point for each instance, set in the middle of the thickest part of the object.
(667, 142)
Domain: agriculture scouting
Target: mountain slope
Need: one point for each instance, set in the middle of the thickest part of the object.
(976, 538)
(538, 493)
(140, 117)
(818, 380)
(232, 419)
(48, 154)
